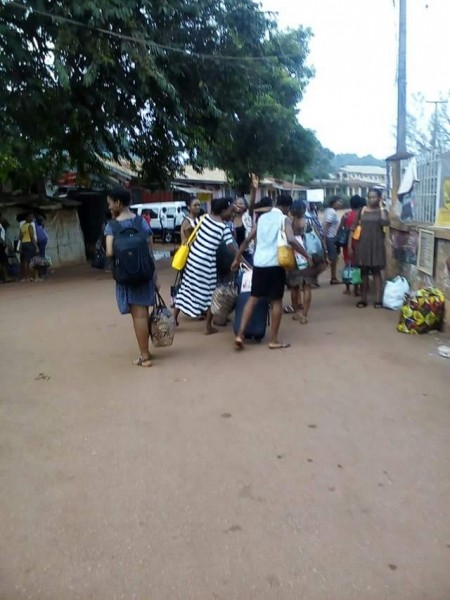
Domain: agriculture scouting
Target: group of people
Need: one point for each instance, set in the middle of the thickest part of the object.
(253, 240)
(31, 243)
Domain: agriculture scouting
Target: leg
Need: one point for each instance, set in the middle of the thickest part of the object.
(378, 287)
(347, 289)
(306, 302)
(176, 314)
(277, 311)
(364, 288)
(246, 316)
(295, 300)
(139, 315)
(209, 327)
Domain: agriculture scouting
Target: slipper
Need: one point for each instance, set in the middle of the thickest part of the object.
(279, 346)
(143, 362)
(377, 305)
(289, 309)
(361, 304)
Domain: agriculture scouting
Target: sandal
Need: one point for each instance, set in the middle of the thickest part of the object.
(289, 309)
(361, 304)
(334, 282)
(141, 361)
(280, 346)
(303, 320)
(377, 305)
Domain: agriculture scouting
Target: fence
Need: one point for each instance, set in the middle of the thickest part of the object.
(427, 189)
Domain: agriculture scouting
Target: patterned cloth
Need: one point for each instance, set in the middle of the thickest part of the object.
(200, 275)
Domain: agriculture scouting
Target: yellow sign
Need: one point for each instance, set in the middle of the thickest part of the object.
(443, 216)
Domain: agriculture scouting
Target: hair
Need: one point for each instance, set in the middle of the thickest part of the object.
(298, 209)
(377, 191)
(333, 201)
(356, 202)
(120, 194)
(285, 200)
(218, 205)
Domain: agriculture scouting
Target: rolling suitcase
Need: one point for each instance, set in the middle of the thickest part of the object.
(256, 329)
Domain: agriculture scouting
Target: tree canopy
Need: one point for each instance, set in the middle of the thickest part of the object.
(158, 83)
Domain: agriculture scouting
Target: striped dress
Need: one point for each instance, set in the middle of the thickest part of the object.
(200, 274)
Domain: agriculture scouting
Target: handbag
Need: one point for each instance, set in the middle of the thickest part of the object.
(161, 324)
(286, 257)
(358, 229)
(312, 244)
(181, 255)
(224, 300)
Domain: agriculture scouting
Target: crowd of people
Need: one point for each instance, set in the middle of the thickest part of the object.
(30, 246)
(233, 235)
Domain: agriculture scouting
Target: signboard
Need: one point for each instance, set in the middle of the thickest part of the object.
(315, 195)
(425, 255)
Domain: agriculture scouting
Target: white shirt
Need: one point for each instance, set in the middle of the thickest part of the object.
(163, 219)
(331, 219)
(267, 228)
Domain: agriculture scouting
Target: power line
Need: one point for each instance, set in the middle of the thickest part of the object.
(148, 42)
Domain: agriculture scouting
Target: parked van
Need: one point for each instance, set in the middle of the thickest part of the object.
(176, 211)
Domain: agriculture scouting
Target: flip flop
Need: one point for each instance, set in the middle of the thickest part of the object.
(377, 305)
(361, 304)
(289, 309)
(280, 346)
(143, 362)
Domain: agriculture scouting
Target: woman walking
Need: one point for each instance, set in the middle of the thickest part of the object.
(243, 225)
(348, 222)
(190, 220)
(137, 298)
(370, 253)
(200, 275)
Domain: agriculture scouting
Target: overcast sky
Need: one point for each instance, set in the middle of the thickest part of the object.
(352, 101)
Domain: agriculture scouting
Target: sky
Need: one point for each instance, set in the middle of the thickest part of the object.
(352, 101)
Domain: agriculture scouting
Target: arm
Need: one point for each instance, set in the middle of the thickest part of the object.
(243, 247)
(384, 215)
(109, 246)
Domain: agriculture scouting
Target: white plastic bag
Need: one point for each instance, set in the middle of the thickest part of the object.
(395, 291)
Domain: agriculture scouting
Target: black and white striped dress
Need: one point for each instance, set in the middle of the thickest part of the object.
(200, 274)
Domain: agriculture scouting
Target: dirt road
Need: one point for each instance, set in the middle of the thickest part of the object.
(317, 473)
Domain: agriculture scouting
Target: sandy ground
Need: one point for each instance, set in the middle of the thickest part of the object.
(319, 473)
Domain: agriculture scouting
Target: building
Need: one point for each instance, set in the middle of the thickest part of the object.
(372, 175)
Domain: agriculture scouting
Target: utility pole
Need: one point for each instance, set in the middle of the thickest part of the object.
(401, 81)
(435, 126)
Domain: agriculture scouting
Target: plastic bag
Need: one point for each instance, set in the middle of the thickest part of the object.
(312, 244)
(224, 300)
(347, 274)
(161, 324)
(394, 293)
(423, 312)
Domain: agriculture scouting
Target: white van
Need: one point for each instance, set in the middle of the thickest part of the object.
(176, 211)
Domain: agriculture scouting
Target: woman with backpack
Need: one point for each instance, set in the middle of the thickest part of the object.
(344, 234)
(129, 244)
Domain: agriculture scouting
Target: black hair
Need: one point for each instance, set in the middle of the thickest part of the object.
(377, 191)
(356, 202)
(285, 200)
(120, 194)
(218, 205)
(298, 209)
(333, 201)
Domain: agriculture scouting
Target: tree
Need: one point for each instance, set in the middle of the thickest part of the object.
(427, 133)
(157, 83)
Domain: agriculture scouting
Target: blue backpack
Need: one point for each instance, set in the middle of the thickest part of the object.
(133, 263)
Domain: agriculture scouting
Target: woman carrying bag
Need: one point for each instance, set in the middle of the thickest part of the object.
(370, 253)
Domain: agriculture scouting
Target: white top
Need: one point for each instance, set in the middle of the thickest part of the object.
(332, 220)
(267, 228)
(163, 219)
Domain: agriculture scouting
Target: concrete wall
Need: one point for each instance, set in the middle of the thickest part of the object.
(402, 259)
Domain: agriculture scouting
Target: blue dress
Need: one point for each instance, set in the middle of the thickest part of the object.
(142, 294)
